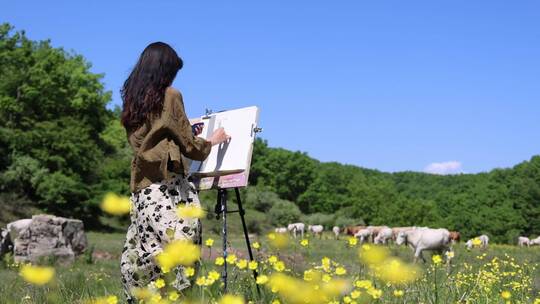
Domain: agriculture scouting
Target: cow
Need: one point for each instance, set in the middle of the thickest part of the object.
(294, 228)
(281, 230)
(397, 230)
(352, 230)
(455, 236)
(524, 241)
(363, 235)
(316, 229)
(383, 236)
(535, 241)
(375, 231)
(421, 239)
(483, 240)
(336, 231)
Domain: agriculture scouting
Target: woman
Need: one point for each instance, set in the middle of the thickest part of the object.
(160, 134)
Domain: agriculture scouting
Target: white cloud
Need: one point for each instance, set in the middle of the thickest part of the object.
(449, 167)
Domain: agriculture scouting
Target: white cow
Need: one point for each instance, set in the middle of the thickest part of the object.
(336, 231)
(281, 230)
(295, 228)
(524, 241)
(484, 242)
(421, 239)
(316, 229)
(374, 231)
(363, 235)
(535, 241)
(384, 235)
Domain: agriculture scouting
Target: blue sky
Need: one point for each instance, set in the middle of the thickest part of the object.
(443, 86)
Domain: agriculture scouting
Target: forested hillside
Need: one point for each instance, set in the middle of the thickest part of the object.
(502, 203)
(61, 149)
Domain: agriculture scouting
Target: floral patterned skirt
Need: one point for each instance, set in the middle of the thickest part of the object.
(155, 223)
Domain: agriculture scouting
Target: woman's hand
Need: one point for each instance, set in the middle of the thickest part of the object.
(219, 136)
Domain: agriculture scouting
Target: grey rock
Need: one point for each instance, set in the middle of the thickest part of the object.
(5, 242)
(47, 236)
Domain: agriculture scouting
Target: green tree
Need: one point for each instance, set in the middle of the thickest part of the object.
(52, 114)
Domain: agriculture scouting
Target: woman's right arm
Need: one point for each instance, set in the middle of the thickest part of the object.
(179, 128)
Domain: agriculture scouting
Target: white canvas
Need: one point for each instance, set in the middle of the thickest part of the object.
(228, 164)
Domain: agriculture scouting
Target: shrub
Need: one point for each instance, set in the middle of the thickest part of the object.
(284, 212)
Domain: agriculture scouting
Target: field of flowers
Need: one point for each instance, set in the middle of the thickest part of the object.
(309, 270)
(296, 271)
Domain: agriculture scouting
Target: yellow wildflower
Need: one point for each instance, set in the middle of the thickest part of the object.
(142, 293)
(506, 295)
(325, 262)
(272, 259)
(201, 281)
(219, 261)
(335, 287)
(341, 271)
(173, 296)
(160, 283)
(214, 275)
(396, 272)
(312, 275)
(372, 255)
(115, 205)
(278, 240)
(437, 259)
(279, 266)
(189, 271)
(363, 284)
(179, 252)
(353, 241)
(476, 242)
(209, 242)
(253, 265)
(398, 293)
(156, 298)
(262, 279)
(355, 294)
(191, 211)
(375, 293)
(37, 275)
(256, 245)
(231, 259)
(242, 264)
(209, 281)
(231, 299)
(112, 300)
(103, 300)
(304, 242)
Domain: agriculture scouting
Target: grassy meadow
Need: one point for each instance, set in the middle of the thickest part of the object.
(472, 277)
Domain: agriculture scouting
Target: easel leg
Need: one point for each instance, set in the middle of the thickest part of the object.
(222, 197)
(246, 236)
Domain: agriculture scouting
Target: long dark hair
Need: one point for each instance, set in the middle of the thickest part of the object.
(144, 90)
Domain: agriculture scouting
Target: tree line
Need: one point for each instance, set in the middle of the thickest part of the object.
(61, 149)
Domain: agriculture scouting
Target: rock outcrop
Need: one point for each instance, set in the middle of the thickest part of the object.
(44, 236)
